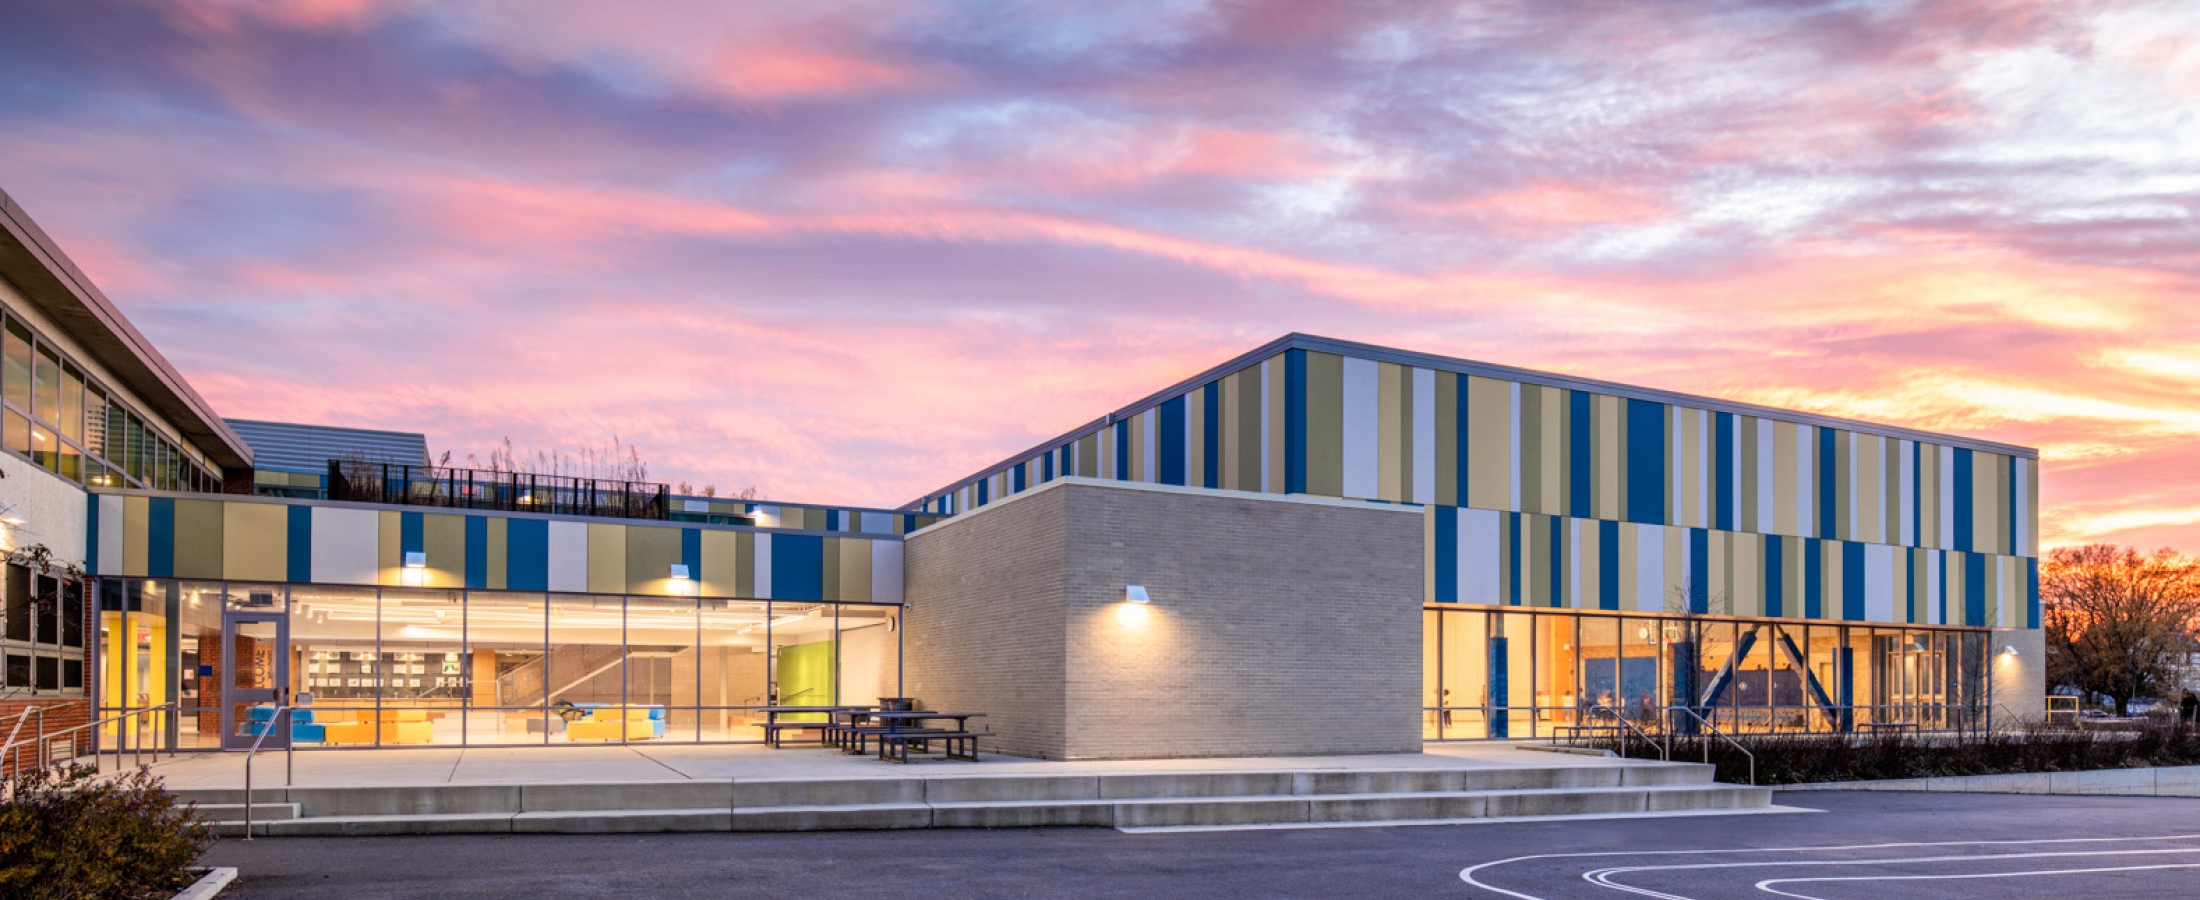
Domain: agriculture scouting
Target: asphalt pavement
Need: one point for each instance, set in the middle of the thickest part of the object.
(1859, 845)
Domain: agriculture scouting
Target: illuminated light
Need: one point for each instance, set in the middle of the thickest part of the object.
(1132, 613)
(679, 572)
(2009, 650)
(1135, 593)
(416, 559)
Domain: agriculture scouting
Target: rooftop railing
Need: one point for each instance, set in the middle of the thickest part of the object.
(509, 491)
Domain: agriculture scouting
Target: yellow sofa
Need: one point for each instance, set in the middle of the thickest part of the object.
(610, 723)
(397, 726)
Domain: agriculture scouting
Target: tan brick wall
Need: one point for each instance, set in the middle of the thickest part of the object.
(1278, 626)
(982, 625)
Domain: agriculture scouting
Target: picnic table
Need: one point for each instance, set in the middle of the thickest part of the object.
(897, 729)
(773, 726)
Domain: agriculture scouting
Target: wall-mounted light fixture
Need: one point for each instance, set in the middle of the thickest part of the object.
(416, 559)
(679, 572)
(2009, 650)
(1136, 593)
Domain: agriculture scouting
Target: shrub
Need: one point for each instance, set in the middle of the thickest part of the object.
(1808, 758)
(65, 834)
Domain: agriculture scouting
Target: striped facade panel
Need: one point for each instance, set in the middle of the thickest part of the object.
(271, 541)
(1766, 507)
(1491, 558)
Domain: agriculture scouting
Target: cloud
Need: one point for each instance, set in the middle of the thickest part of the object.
(850, 251)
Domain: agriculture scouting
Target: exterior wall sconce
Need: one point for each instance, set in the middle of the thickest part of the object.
(415, 573)
(1136, 593)
(416, 559)
(2009, 650)
(679, 572)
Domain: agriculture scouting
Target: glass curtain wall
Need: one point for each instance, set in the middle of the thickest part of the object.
(396, 667)
(1518, 674)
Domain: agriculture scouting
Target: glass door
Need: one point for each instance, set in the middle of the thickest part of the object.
(252, 677)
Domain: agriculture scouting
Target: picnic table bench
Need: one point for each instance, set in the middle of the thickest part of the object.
(773, 726)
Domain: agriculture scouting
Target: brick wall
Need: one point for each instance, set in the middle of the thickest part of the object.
(1277, 627)
(983, 627)
(61, 715)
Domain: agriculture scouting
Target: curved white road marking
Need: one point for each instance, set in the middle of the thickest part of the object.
(1468, 874)
(1765, 886)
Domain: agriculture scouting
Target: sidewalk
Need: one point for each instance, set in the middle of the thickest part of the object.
(649, 763)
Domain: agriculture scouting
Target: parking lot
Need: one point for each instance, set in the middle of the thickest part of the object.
(1857, 846)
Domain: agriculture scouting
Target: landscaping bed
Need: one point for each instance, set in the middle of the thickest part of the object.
(1813, 758)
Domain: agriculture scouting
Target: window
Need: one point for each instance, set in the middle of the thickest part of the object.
(46, 384)
(18, 588)
(95, 421)
(18, 432)
(71, 415)
(15, 371)
(72, 614)
(49, 673)
(45, 451)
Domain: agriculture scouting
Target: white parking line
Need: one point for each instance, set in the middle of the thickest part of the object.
(1602, 877)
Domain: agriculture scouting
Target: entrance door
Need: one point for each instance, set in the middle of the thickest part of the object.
(254, 672)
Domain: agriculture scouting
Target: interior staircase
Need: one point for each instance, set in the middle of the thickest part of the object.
(1176, 800)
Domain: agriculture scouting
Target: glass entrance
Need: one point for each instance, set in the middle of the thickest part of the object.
(252, 678)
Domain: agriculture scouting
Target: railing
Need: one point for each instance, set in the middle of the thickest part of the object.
(509, 491)
(1535, 722)
(1721, 735)
(44, 739)
(1665, 752)
(290, 743)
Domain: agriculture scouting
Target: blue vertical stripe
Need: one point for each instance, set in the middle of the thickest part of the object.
(160, 537)
(1512, 565)
(1964, 503)
(798, 567)
(1170, 443)
(1556, 551)
(1722, 474)
(1852, 581)
(1446, 519)
(1016, 477)
(1046, 467)
(984, 484)
(1294, 422)
(527, 555)
(691, 552)
(2010, 527)
(1607, 565)
(91, 535)
(409, 533)
(1828, 484)
(1909, 586)
(2032, 593)
(1460, 438)
(1974, 589)
(1814, 578)
(1775, 563)
(477, 552)
(1500, 719)
(1122, 451)
(1581, 452)
(1210, 442)
(1645, 462)
(1699, 570)
(298, 561)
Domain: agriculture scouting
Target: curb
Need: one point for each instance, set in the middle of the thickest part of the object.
(209, 884)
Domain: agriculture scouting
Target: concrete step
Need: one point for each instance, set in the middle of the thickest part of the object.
(261, 812)
(436, 800)
(1145, 812)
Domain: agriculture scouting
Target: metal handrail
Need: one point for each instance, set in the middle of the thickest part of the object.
(1665, 752)
(137, 750)
(282, 715)
(1722, 736)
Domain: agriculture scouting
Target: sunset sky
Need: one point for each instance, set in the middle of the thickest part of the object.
(847, 252)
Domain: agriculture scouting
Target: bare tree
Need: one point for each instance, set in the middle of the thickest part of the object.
(2119, 622)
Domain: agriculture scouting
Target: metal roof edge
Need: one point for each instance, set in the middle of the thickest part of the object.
(78, 287)
(1302, 341)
